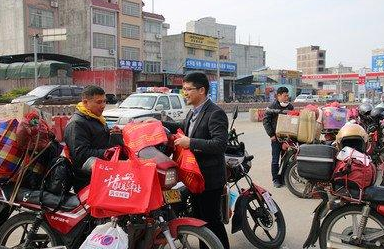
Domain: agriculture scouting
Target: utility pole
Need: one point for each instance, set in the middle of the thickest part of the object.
(35, 37)
(218, 67)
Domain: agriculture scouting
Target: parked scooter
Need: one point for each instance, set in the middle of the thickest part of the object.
(256, 213)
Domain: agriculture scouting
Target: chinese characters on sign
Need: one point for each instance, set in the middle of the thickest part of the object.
(210, 65)
(378, 63)
(200, 41)
(134, 65)
(373, 85)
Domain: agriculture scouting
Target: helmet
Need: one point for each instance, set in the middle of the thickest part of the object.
(352, 135)
(366, 100)
(377, 113)
(365, 109)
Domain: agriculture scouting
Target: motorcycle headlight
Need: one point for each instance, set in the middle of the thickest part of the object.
(170, 178)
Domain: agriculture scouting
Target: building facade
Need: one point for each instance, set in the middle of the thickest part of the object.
(209, 27)
(24, 19)
(154, 29)
(91, 30)
(311, 60)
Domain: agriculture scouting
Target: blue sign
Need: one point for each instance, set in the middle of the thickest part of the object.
(134, 65)
(260, 78)
(213, 91)
(378, 63)
(373, 85)
(210, 65)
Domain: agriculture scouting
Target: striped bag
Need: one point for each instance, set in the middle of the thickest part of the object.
(9, 153)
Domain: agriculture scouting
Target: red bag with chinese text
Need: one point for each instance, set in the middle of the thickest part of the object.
(140, 135)
(188, 171)
(124, 187)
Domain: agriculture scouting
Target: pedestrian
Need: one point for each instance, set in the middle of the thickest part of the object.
(206, 135)
(87, 134)
(280, 104)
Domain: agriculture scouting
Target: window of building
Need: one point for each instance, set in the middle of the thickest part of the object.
(191, 51)
(321, 69)
(175, 102)
(130, 53)
(40, 18)
(130, 31)
(43, 47)
(105, 18)
(131, 8)
(163, 100)
(152, 27)
(321, 62)
(152, 47)
(152, 66)
(208, 53)
(321, 55)
(100, 62)
(103, 41)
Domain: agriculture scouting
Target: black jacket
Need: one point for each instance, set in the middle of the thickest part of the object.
(85, 137)
(271, 114)
(208, 142)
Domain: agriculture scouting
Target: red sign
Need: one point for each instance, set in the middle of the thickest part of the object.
(361, 80)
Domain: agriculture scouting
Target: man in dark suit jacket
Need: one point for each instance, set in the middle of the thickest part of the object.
(206, 129)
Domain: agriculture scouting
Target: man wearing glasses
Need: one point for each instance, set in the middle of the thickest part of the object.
(87, 134)
(206, 129)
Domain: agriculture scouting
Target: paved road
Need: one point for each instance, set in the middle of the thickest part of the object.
(297, 212)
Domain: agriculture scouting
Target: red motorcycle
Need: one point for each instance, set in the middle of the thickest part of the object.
(68, 225)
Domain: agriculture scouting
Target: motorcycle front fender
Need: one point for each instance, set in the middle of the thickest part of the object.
(187, 221)
(237, 219)
(318, 214)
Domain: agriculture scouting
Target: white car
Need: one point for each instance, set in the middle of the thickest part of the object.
(142, 105)
(304, 98)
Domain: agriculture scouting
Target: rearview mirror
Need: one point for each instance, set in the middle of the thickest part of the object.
(159, 107)
(235, 112)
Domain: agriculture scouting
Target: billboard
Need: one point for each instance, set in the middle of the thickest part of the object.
(378, 63)
(213, 91)
(192, 40)
(210, 65)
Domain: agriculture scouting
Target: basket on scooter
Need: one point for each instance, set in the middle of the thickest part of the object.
(316, 162)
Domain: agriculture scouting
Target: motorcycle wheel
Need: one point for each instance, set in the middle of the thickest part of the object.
(14, 232)
(340, 224)
(260, 226)
(295, 184)
(189, 236)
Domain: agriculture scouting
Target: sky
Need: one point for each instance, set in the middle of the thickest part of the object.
(348, 29)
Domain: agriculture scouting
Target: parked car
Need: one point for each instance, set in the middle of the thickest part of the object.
(141, 105)
(51, 95)
(111, 98)
(304, 98)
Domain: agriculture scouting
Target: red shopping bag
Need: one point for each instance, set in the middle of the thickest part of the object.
(9, 153)
(139, 135)
(124, 187)
(188, 171)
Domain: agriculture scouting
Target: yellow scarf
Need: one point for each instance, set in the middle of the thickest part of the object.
(80, 106)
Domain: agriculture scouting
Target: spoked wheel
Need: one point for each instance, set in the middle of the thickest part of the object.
(296, 184)
(13, 233)
(188, 237)
(262, 227)
(341, 225)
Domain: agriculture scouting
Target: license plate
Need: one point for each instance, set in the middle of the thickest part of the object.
(270, 203)
(172, 196)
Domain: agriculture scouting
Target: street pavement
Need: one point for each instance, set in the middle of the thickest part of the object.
(297, 212)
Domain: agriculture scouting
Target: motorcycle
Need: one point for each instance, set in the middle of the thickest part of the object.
(67, 226)
(350, 218)
(256, 213)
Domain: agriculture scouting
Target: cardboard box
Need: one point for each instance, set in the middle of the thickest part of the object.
(287, 126)
(18, 110)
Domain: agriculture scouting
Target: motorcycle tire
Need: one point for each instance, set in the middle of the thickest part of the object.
(341, 214)
(290, 175)
(200, 233)
(264, 222)
(24, 221)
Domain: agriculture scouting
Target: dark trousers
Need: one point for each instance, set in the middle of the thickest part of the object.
(276, 151)
(206, 206)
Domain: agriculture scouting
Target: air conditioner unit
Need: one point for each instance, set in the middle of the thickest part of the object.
(158, 36)
(54, 4)
(112, 52)
(159, 56)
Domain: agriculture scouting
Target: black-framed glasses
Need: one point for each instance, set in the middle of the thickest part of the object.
(188, 89)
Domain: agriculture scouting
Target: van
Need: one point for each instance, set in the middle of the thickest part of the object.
(52, 95)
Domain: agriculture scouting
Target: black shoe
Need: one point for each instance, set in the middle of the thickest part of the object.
(277, 183)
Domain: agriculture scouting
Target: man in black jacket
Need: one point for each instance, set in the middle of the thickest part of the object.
(270, 121)
(87, 134)
(206, 129)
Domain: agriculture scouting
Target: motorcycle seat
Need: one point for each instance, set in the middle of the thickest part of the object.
(374, 194)
(70, 201)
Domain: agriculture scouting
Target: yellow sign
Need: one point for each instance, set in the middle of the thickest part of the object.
(292, 74)
(201, 41)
